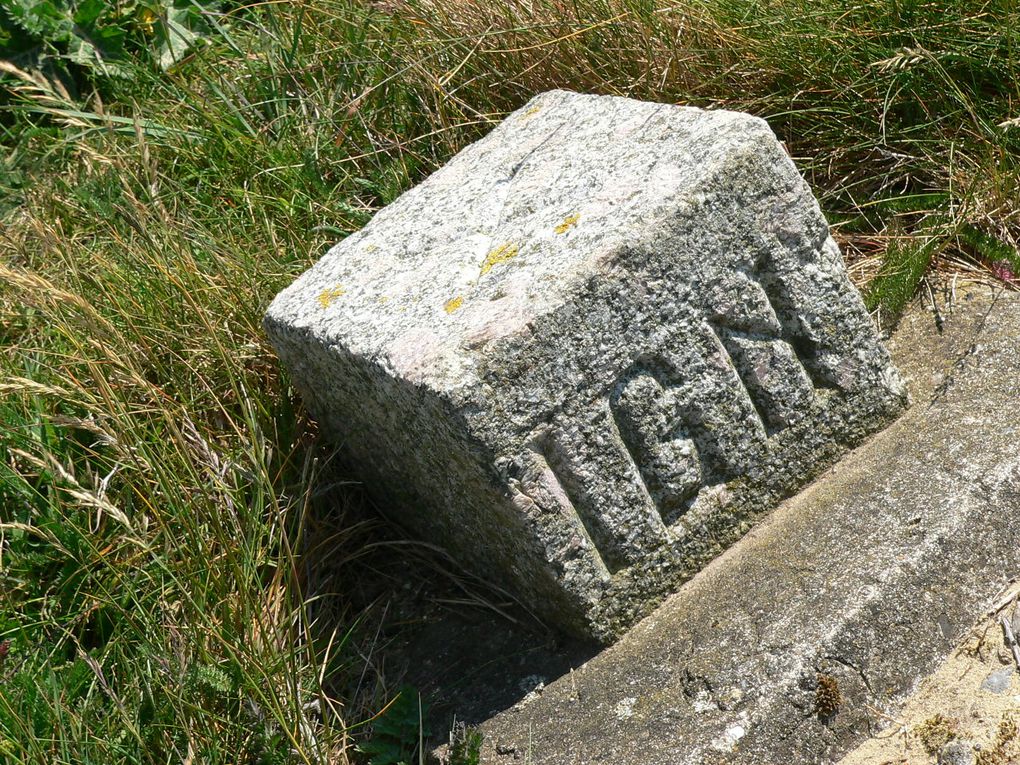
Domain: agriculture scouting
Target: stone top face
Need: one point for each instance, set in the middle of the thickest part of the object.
(509, 227)
(588, 352)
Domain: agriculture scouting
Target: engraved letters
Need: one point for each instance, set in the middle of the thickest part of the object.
(744, 319)
(678, 440)
(652, 426)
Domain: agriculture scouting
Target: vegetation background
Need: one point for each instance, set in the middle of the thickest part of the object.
(184, 577)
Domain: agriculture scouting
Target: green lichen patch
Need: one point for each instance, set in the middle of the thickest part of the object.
(935, 733)
(453, 304)
(1006, 748)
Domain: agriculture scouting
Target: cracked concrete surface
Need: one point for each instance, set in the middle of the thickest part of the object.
(862, 582)
(974, 697)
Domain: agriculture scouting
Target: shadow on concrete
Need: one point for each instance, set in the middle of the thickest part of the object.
(471, 664)
(414, 618)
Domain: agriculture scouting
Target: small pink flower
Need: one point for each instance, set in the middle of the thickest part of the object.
(1003, 270)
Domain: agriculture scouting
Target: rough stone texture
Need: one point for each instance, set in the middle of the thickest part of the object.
(590, 350)
(956, 753)
(867, 578)
(999, 681)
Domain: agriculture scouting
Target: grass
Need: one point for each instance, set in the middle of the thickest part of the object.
(185, 576)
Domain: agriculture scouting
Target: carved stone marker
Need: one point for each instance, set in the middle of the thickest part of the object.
(589, 351)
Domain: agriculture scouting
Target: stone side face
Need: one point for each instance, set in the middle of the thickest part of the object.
(588, 352)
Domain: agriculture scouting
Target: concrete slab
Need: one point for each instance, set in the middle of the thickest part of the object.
(791, 646)
(973, 700)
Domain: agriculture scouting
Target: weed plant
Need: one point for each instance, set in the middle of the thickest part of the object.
(178, 571)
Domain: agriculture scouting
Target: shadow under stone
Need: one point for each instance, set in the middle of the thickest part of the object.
(470, 664)
(422, 621)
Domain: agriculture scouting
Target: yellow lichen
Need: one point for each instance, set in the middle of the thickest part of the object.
(330, 294)
(453, 304)
(568, 223)
(501, 254)
(530, 113)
